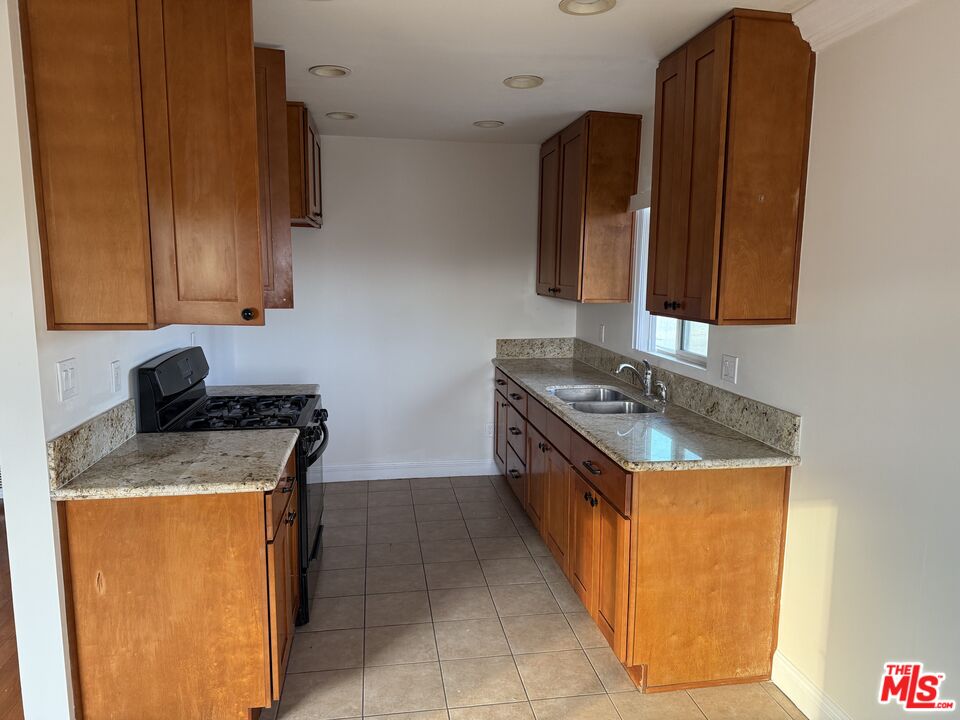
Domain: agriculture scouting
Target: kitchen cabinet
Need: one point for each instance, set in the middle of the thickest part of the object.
(537, 474)
(731, 137)
(144, 140)
(588, 172)
(306, 208)
(557, 507)
(276, 252)
(680, 570)
(500, 406)
(159, 590)
(582, 568)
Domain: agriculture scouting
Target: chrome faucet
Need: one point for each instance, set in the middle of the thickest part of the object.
(646, 377)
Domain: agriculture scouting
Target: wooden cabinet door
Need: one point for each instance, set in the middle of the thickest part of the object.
(537, 472)
(557, 510)
(517, 476)
(547, 244)
(705, 125)
(276, 254)
(582, 566)
(312, 144)
(86, 129)
(668, 203)
(200, 125)
(573, 185)
(281, 627)
(500, 408)
(611, 536)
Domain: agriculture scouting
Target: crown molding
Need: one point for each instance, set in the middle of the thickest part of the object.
(824, 22)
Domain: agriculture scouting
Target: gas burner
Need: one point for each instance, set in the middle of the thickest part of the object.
(210, 423)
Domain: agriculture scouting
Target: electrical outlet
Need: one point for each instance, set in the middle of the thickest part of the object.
(603, 333)
(115, 376)
(489, 429)
(67, 379)
(729, 368)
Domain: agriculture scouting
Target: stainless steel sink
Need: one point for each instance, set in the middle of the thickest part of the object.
(621, 407)
(602, 399)
(590, 394)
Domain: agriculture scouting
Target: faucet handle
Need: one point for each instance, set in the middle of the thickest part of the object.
(661, 389)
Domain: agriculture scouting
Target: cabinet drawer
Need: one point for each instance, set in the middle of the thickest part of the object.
(613, 482)
(516, 476)
(517, 433)
(278, 499)
(517, 396)
(537, 414)
(558, 434)
(500, 381)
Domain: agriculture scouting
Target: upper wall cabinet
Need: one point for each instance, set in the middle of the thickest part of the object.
(588, 172)
(306, 209)
(276, 254)
(144, 140)
(731, 135)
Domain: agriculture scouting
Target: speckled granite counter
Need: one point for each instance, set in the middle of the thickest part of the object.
(676, 439)
(219, 390)
(194, 463)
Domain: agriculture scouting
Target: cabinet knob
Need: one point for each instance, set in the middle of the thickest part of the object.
(291, 516)
(594, 502)
(248, 314)
(666, 304)
(501, 382)
(586, 496)
(515, 431)
(288, 487)
(504, 404)
(515, 474)
(516, 396)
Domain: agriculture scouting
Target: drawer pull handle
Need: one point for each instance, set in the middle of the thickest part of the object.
(501, 382)
(594, 469)
(516, 396)
(514, 473)
(515, 431)
(291, 516)
(288, 488)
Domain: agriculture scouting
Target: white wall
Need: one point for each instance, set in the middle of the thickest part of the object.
(872, 553)
(427, 255)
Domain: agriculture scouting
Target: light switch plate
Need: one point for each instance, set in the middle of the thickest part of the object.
(729, 368)
(489, 430)
(603, 333)
(67, 379)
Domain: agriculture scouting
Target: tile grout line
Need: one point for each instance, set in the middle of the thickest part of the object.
(433, 621)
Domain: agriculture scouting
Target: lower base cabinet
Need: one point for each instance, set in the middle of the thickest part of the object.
(680, 570)
(180, 607)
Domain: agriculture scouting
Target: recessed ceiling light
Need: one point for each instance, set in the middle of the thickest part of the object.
(329, 70)
(586, 7)
(523, 82)
(341, 115)
(489, 123)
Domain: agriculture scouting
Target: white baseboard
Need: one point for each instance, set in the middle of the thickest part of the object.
(811, 700)
(389, 471)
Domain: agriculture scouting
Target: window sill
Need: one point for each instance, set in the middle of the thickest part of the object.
(678, 359)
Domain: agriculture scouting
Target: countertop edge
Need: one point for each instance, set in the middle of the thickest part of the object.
(66, 493)
(654, 466)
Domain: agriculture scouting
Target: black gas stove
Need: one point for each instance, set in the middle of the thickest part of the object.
(173, 397)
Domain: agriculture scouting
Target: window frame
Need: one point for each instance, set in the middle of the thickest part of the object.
(645, 323)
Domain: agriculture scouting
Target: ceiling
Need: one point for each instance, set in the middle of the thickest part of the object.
(428, 69)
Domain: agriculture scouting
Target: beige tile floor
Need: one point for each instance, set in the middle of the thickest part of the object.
(437, 600)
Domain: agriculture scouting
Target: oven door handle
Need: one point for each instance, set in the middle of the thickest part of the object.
(318, 450)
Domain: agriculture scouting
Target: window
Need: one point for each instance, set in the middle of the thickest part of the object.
(681, 340)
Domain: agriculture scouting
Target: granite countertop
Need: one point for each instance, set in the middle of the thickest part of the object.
(675, 439)
(263, 390)
(192, 463)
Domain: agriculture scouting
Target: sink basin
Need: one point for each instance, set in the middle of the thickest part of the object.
(619, 407)
(590, 394)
